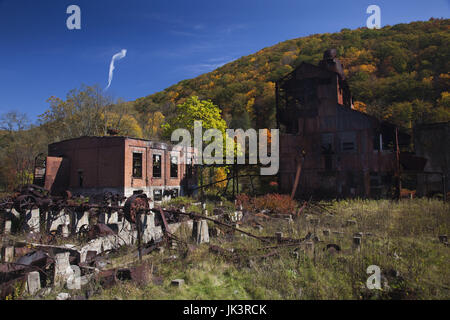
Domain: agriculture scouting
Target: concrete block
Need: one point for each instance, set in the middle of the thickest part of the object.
(200, 231)
(357, 241)
(61, 219)
(113, 217)
(63, 296)
(62, 269)
(33, 282)
(279, 236)
(178, 282)
(65, 231)
(357, 244)
(33, 220)
(83, 220)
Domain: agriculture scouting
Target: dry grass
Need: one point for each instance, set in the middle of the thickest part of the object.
(403, 240)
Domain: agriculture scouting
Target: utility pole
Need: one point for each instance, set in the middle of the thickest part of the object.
(398, 173)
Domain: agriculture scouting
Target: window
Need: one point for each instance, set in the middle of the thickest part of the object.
(348, 141)
(189, 168)
(348, 146)
(157, 166)
(157, 195)
(80, 178)
(377, 141)
(173, 167)
(137, 165)
(327, 143)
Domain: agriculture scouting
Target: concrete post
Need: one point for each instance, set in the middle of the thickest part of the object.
(62, 269)
(84, 220)
(33, 220)
(357, 243)
(7, 229)
(113, 217)
(200, 231)
(8, 254)
(33, 282)
(65, 231)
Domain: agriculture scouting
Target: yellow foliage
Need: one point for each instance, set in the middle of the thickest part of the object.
(428, 80)
(359, 106)
(251, 93)
(249, 106)
(368, 68)
(220, 174)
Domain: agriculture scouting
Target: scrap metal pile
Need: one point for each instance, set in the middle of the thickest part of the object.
(100, 225)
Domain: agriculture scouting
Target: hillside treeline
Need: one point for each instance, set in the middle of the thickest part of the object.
(399, 73)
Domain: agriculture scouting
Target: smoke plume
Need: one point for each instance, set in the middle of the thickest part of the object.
(115, 57)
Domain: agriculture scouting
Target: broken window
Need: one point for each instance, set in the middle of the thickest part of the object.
(327, 145)
(137, 165)
(80, 178)
(157, 195)
(377, 141)
(157, 166)
(173, 167)
(189, 168)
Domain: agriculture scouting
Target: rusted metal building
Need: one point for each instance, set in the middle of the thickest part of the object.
(347, 153)
(432, 142)
(123, 165)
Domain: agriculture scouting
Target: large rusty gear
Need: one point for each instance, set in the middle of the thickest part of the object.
(25, 203)
(133, 204)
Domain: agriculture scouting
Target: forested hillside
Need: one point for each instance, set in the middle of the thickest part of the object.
(400, 73)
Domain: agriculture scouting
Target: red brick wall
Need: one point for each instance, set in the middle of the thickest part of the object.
(148, 150)
(100, 159)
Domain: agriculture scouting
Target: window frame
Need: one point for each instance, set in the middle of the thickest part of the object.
(154, 156)
(171, 167)
(134, 167)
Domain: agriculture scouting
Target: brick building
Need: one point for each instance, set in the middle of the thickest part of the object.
(93, 165)
(347, 153)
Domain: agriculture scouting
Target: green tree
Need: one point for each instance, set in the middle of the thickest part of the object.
(192, 110)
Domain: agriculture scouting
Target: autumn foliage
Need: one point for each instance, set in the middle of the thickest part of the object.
(273, 203)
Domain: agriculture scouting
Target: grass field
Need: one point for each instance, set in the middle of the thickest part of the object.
(399, 237)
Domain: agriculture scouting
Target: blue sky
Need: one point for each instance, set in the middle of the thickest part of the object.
(166, 40)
